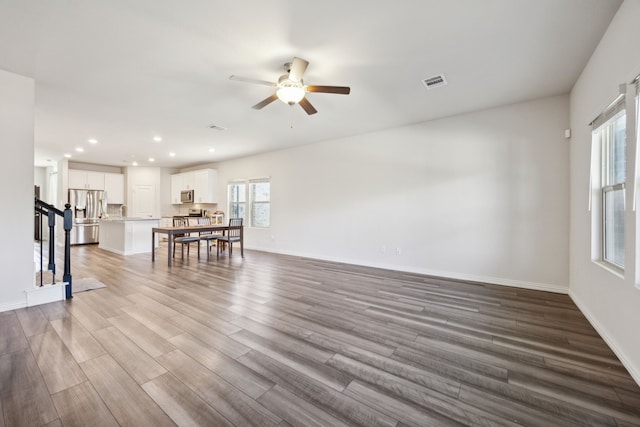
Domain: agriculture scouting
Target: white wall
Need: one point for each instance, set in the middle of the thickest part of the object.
(40, 178)
(612, 304)
(16, 186)
(480, 196)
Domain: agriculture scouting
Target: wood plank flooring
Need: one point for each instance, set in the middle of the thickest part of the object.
(273, 340)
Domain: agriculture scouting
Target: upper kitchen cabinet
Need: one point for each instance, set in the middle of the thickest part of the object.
(79, 179)
(203, 182)
(177, 182)
(114, 186)
(188, 181)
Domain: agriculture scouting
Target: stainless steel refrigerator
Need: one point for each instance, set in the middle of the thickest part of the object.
(85, 205)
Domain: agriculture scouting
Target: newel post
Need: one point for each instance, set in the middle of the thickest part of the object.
(51, 223)
(66, 277)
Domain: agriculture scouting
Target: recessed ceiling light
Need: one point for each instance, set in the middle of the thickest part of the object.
(79, 149)
(151, 159)
(93, 141)
(172, 154)
(157, 138)
(211, 150)
(67, 156)
(135, 163)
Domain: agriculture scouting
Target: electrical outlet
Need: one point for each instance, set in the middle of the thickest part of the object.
(398, 251)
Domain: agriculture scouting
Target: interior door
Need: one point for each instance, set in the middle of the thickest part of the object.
(143, 202)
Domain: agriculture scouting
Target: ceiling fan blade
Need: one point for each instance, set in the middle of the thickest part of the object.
(306, 105)
(265, 102)
(247, 80)
(298, 67)
(342, 90)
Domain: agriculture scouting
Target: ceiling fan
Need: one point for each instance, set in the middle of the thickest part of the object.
(291, 88)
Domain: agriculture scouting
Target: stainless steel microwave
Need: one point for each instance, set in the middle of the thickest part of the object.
(186, 196)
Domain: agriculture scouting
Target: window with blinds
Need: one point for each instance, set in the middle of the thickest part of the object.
(609, 132)
(260, 199)
(237, 196)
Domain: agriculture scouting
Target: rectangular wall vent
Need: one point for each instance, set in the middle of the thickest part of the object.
(435, 81)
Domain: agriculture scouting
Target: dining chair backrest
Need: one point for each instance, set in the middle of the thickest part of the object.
(180, 221)
(204, 221)
(235, 227)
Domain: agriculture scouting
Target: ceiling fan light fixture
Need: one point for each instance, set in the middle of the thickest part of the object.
(290, 94)
(291, 88)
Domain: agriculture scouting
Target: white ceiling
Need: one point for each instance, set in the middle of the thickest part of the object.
(124, 71)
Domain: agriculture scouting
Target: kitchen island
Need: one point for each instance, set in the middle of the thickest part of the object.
(127, 236)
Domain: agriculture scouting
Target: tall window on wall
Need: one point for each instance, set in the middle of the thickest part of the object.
(260, 197)
(237, 193)
(609, 131)
(257, 212)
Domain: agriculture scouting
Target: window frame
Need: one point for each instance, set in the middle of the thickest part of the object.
(253, 203)
(249, 202)
(231, 203)
(604, 252)
(604, 127)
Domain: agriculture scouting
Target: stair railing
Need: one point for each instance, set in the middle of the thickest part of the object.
(50, 212)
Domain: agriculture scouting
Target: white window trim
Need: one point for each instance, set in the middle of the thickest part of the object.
(252, 202)
(595, 185)
(248, 210)
(229, 202)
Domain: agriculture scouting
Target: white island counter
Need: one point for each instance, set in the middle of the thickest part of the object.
(127, 236)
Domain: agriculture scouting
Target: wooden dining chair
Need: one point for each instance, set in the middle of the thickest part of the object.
(207, 236)
(232, 234)
(184, 239)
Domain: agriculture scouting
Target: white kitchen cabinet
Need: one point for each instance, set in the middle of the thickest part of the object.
(177, 181)
(87, 180)
(188, 180)
(205, 186)
(203, 182)
(114, 187)
(127, 236)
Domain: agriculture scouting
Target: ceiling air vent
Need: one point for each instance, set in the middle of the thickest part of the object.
(435, 81)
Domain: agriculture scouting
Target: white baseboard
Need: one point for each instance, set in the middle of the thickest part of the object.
(8, 306)
(634, 370)
(444, 274)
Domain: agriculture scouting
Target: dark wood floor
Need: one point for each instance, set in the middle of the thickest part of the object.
(273, 340)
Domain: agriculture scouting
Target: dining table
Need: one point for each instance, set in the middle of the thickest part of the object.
(172, 231)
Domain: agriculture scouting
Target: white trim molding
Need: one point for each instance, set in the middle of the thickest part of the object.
(634, 370)
(45, 294)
